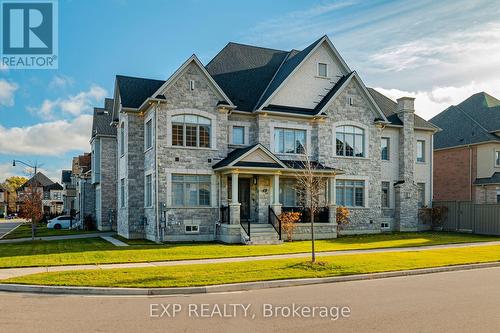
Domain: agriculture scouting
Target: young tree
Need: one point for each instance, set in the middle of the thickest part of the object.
(310, 185)
(11, 184)
(32, 205)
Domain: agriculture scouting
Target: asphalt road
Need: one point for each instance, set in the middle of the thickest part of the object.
(462, 301)
(5, 227)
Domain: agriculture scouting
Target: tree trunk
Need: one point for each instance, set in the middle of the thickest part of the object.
(33, 228)
(313, 252)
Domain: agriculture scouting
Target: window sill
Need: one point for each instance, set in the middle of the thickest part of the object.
(322, 77)
(421, 162)
(386, 161)
(237, 145)
(192, 148)
(351, 157)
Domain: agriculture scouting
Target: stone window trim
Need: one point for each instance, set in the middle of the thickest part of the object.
(202, 172)
(285, 125)
(246, 129)
(367, 138)
(367, 189)
(146, 148)
(213, 127)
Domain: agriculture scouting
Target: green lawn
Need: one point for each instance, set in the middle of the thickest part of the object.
(98, 251)
(24, 231)
(210, 274)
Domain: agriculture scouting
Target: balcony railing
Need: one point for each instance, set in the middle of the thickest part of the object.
(275, 221)
(321, 216)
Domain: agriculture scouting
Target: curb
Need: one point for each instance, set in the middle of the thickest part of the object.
(108, 291)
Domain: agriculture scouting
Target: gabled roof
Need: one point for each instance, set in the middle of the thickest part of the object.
(235, 157)
(66, 176)
(38, 180)
(470, 122)
(134, 90)
(389, 108)
(101, 121)
(244, 71)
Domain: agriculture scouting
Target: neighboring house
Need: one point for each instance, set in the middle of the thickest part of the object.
(467, 151)
(4, 202)
(85, 192)
(69, 191)
(223, 143)
(52, 193)
(103, 170)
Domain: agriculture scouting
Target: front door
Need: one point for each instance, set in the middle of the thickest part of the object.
(244, 198)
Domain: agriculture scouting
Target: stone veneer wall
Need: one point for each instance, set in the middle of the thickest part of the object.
(108, 183)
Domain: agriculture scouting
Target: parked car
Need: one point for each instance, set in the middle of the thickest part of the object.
(60, 222)
(11, 216)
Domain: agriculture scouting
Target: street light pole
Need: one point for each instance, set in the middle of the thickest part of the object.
(34, 167)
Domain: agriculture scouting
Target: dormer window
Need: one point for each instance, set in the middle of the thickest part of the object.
(322, 69)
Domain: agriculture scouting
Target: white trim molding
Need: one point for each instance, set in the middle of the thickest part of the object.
(206, 114)
(366, 143)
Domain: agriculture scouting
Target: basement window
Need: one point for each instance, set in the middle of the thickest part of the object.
(192, 229)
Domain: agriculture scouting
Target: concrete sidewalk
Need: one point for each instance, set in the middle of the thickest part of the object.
(7, 273)
(53, 238)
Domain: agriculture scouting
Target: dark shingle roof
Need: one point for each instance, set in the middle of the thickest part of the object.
(302, 165)
(389, 108)
(244, 71)
(37, 180)
(467, 122)
(66, 176)
(235, 154)
(134, 91)
(494, 179)
(101, 122)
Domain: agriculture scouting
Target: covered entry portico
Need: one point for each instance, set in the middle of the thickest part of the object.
(249, 189)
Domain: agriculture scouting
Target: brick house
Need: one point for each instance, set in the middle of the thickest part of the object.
(467, 151)
(215, 147)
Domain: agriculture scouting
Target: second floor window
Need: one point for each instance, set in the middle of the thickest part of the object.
(350, 141)
(385, 149)
(238, 135)
(420, 151)
(191, 131)
(289, 141)
(497, 158)
(148, 134)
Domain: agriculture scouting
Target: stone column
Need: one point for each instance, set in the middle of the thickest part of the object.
(276, 205)
(234, 206)
(332, 201)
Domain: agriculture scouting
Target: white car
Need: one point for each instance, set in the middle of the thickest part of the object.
(60, 222)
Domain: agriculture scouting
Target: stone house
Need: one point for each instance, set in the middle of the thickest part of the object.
(467, 151)
(213, 152)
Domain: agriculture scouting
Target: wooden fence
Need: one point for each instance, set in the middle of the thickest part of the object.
(465, 216)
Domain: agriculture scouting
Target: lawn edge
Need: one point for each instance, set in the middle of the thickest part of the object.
(233, 287)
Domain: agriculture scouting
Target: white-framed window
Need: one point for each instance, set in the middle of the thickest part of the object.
(322, 69)
(122, 192)
(385, 148)
(421, 195)
(190, 130)
(192, 228)
(386, 194)
(289, 141)
(191, 190)
(497, 158)
(350, 193)
(122, 139)
(421, 151)
(238, 135)
(350, 141)
(148, 134)
(148, 191)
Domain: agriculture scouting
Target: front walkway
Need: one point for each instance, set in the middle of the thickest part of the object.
(7, 273)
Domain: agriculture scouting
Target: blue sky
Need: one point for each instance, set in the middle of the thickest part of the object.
(438, 51)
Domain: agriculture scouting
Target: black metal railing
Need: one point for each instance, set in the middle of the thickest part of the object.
(275, 221)
(225, 214)
(321, 215)
(246, 226)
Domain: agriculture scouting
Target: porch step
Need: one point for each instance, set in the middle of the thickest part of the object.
(261, 233)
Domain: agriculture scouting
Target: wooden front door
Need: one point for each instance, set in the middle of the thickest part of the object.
(244, 198)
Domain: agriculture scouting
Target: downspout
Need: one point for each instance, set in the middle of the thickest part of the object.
(156, 178)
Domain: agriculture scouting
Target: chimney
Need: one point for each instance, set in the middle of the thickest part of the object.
(406, 190)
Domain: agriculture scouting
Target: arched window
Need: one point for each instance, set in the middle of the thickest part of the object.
(191, 131)
(350, 141)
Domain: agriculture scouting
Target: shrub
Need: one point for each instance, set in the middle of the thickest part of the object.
(288, 223)
(342, 217)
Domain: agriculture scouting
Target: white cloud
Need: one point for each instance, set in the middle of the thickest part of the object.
(61, 82)
(7, 91)
(49, 138)
(74, 105)
(429, 103)
(7, 170)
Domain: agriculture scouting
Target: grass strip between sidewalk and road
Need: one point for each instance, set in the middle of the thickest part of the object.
(98, 251)
(211, 274)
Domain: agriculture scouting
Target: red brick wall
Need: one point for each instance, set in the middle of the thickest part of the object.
(451, 174)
